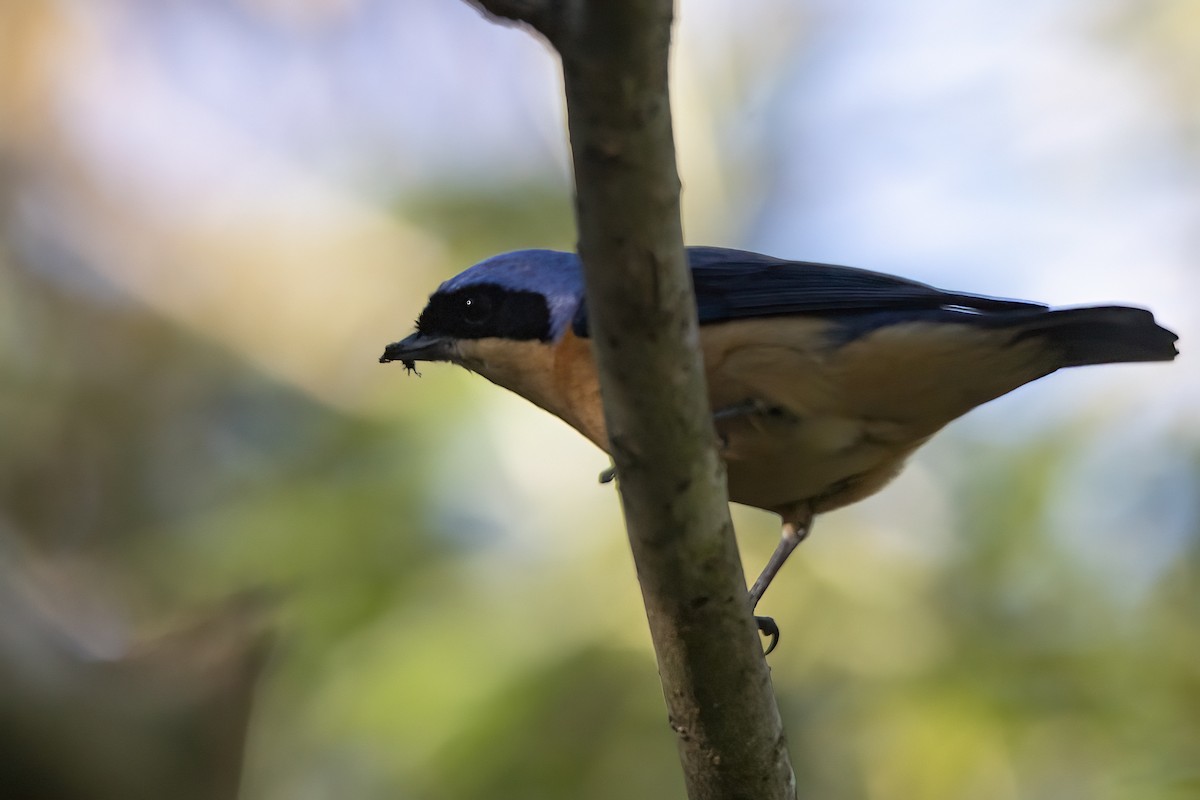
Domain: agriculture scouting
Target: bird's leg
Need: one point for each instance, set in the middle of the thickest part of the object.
(795, 530)
(746, 408)
(752, 407)
(759, 411)
(743, 409)
(793, 534)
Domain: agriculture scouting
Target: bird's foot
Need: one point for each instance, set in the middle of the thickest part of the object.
(609, 475)
(768, 628)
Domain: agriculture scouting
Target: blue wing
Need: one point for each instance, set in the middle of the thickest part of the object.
(733, 284)
(736, 284)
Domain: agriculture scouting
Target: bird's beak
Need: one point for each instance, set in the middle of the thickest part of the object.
(418, 347)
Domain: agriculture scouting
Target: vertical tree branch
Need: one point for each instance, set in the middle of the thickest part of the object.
(642, 318)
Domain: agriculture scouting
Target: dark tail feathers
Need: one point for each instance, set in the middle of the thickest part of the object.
(1103, 335)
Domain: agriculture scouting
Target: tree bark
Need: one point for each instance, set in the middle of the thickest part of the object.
(642, 319)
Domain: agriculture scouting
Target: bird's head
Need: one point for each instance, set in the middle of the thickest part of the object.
(484, 317)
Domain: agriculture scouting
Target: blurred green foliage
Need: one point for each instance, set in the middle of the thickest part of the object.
(472, 219)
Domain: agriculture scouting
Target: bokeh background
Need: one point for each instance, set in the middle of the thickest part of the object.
(224, 527)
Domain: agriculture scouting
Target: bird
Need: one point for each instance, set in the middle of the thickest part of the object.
(823, 379)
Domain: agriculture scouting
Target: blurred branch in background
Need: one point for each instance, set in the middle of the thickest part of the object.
(167, 718)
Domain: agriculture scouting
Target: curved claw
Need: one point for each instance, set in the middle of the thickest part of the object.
(767, 627)
(608, 475)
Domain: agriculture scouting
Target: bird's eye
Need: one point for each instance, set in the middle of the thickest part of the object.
(477, 309)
